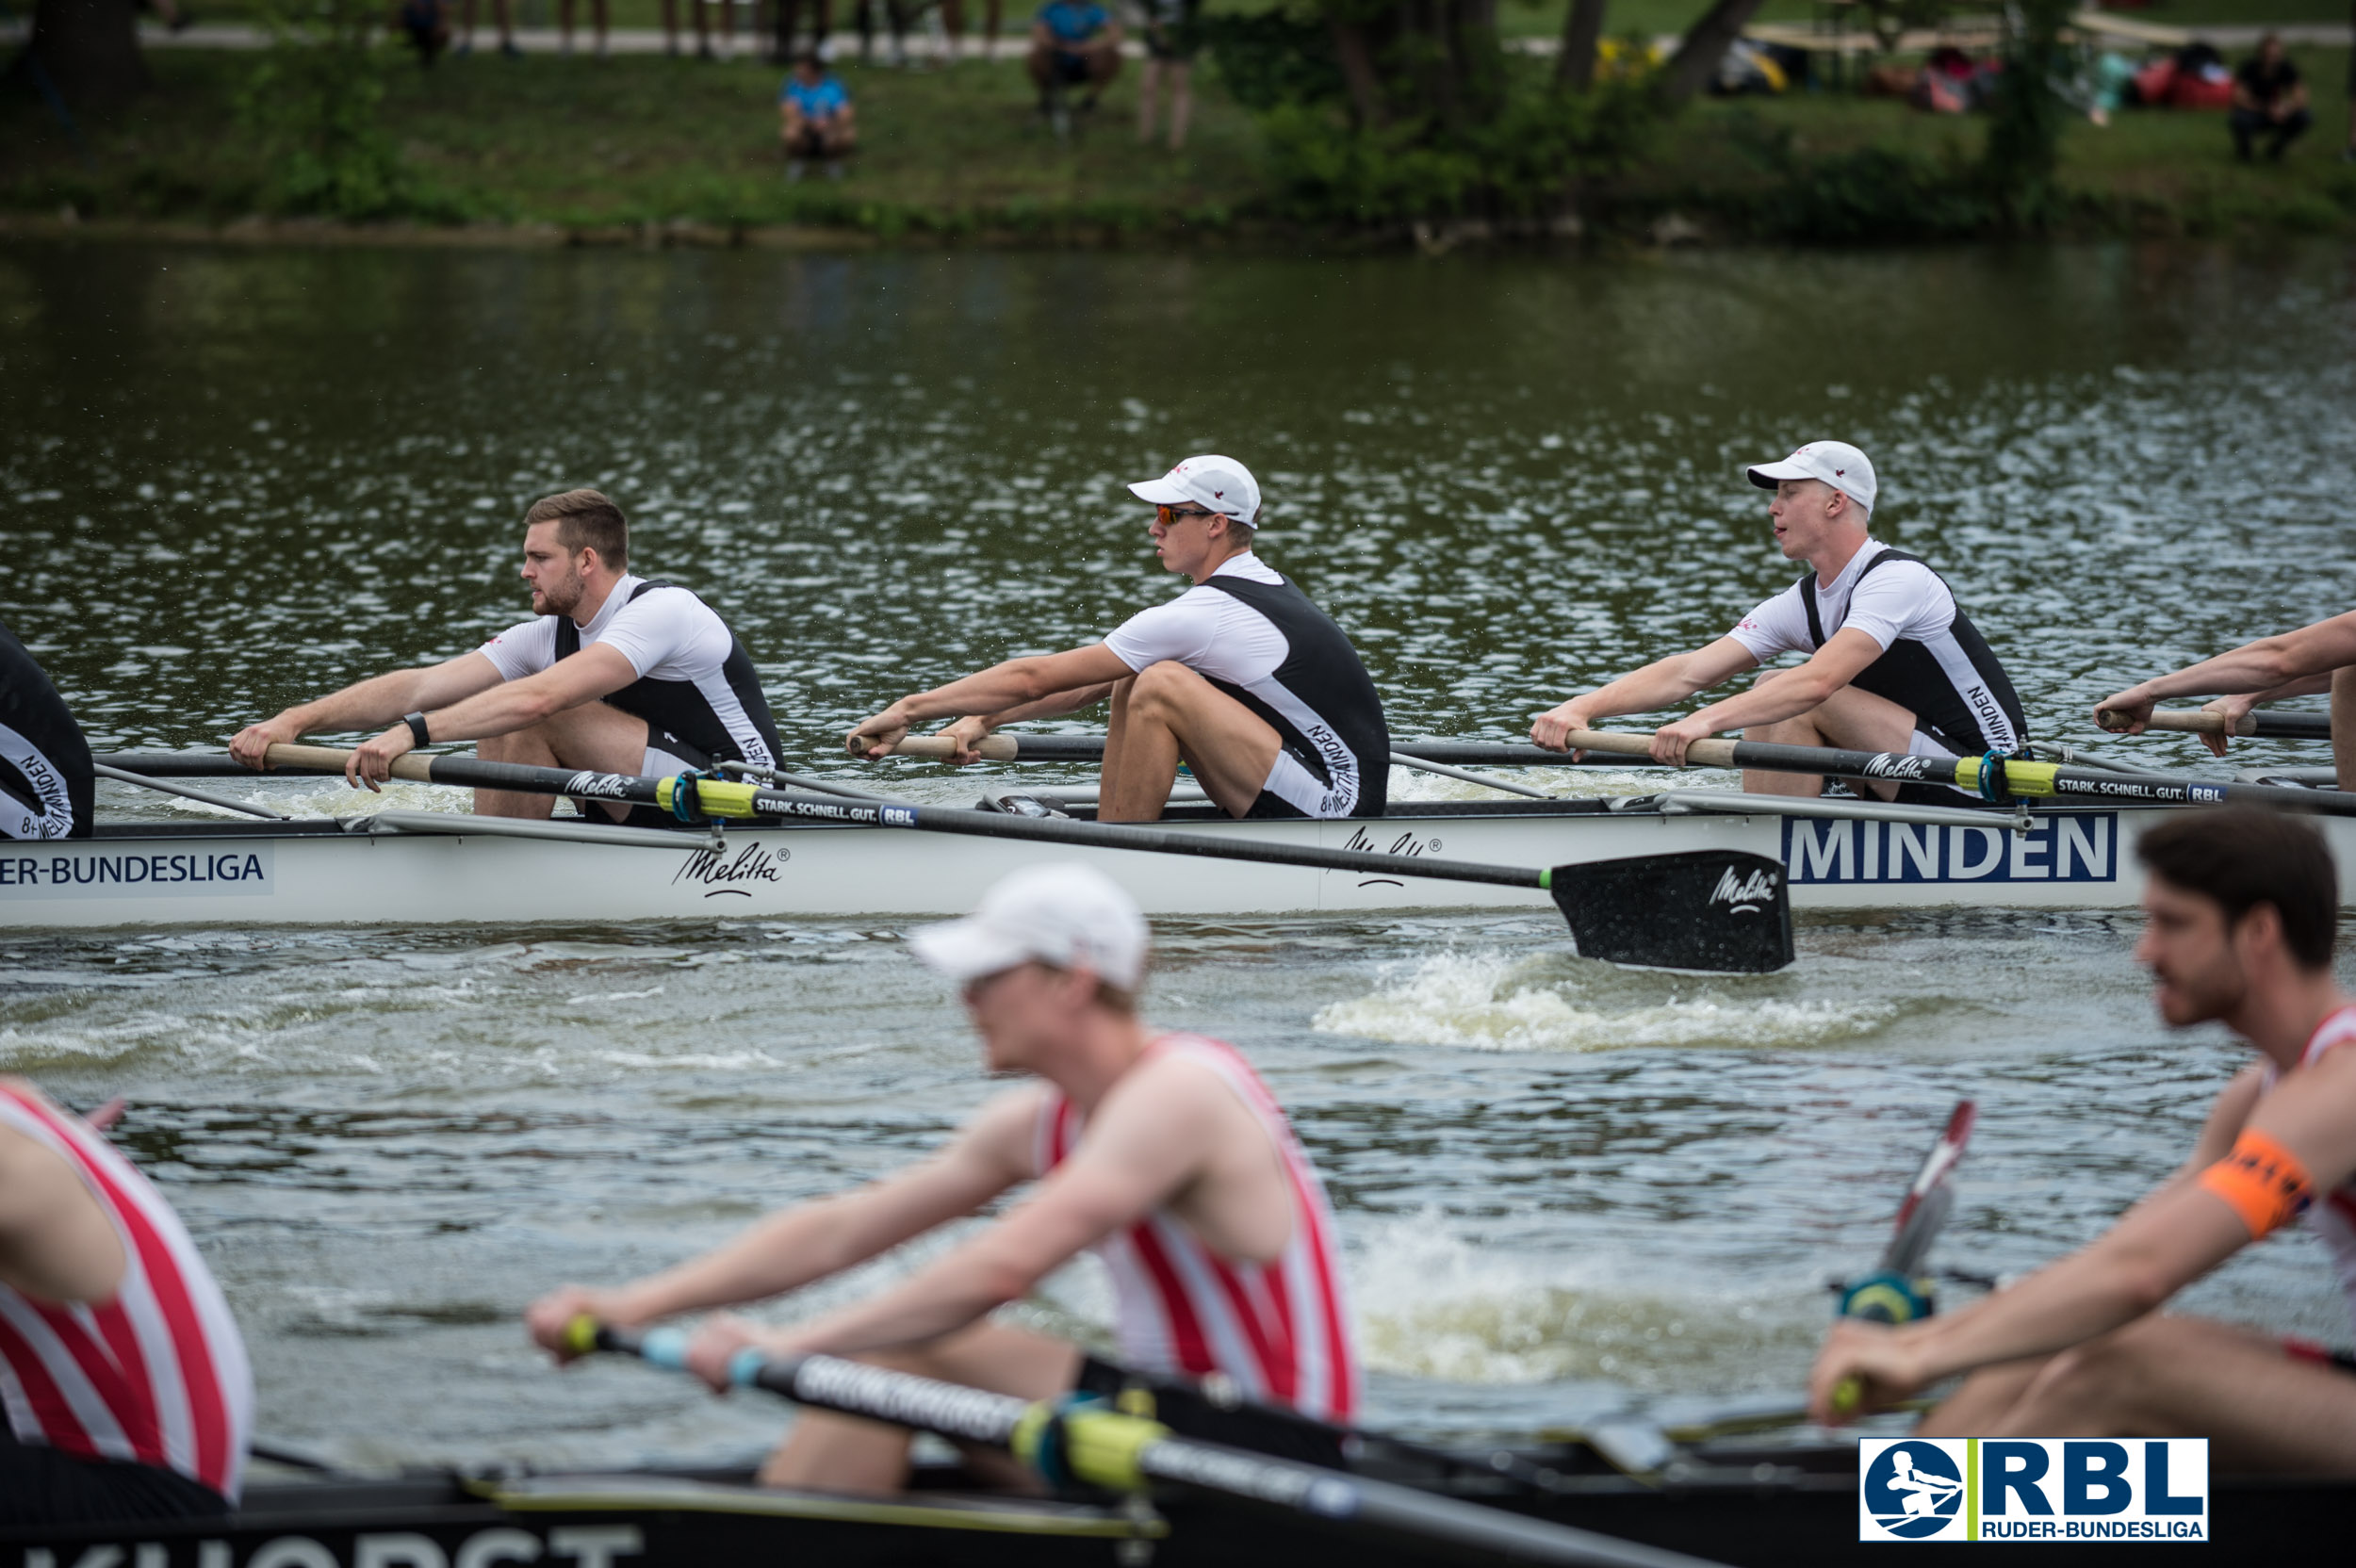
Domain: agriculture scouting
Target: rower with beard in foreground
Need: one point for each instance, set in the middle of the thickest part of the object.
(1160, 1151)
(1241, 678)
(2241, 909)
(1893, 662)
(614, 675)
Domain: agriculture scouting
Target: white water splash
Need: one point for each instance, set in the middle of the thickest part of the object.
(1432, 1303)
(1486, 1001)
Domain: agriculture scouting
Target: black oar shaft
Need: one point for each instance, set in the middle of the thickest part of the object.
(2026, 780)
(1125, 1452)
(727, 799)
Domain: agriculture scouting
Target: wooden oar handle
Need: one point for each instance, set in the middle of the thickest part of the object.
(332, 759)
(1701, 754)
(2197, 722)
(995, 748)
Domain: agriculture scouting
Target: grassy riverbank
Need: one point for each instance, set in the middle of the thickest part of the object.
(621, 148)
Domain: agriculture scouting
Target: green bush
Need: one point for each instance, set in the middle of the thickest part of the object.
(313, 102)
(1524, 163)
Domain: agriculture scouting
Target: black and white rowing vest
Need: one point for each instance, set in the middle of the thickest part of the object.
(1331, 717)
(677, 715)
(1953, 683)
(47, 788)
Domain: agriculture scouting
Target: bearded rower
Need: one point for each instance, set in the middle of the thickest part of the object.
(1893, 662)
(1241, 678)
(1162, 1151)
(2241, 909)
(614, 674)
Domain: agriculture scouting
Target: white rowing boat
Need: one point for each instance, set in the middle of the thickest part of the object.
(429, 867)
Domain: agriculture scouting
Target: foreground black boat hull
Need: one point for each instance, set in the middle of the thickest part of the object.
(1760, 1507)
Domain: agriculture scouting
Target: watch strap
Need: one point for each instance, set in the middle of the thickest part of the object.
(416, 729)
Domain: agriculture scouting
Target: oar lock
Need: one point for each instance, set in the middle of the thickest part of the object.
(1886, 1296)
(1081, 1437)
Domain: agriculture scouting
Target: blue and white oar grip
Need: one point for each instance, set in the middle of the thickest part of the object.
(664, 1348)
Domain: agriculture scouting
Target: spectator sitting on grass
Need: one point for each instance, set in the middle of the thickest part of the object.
(816, 118)
(2268, 96)
(1074, 43)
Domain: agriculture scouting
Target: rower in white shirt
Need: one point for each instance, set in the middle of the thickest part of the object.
(614, 674)
(1241, 678)
(1894, 664)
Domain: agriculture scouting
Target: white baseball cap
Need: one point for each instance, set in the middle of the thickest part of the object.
(1837, 463)
(1217, 484)
(1067, 915)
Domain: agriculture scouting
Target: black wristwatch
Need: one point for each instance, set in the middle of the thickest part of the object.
(416, 729)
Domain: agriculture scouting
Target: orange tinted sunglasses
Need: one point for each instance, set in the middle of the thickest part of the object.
(1168, 514)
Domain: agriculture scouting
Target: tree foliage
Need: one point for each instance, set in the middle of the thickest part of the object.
(312, 104)
(1383, 110)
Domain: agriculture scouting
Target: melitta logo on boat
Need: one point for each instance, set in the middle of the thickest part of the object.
(599, 786)
(1744, 895)
(1894, 766)
(2074, 1489)
(2080, 847)
(84, 871)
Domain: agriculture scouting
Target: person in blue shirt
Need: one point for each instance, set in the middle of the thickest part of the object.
(1074, 43)
(816, 120)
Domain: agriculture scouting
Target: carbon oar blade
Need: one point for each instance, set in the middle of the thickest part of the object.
(1931, 1195)
(1717, 910)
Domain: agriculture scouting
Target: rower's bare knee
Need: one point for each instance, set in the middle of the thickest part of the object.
(1158, 690)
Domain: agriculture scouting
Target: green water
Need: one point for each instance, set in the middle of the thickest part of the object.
(230, 479)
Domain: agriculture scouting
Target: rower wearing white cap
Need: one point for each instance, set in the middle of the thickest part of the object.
(1162, 1152)
(1241, 678)
(1894, 664)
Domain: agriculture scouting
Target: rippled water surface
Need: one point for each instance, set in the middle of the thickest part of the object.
(233, 479)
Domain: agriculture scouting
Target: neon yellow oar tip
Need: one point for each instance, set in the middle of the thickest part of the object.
(1847, 1394)
(580, 1335)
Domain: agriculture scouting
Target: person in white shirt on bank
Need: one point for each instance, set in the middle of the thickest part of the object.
(1893, 665)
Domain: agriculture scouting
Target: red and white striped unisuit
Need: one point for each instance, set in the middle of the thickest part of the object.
(158, 1375)
(1280, 1329)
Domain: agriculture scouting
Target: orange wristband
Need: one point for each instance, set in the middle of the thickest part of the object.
(2263, 1180)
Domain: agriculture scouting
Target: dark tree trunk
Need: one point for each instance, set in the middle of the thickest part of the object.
(89, 49)
(1582, 28)
(1356, 53)
(1704, 47)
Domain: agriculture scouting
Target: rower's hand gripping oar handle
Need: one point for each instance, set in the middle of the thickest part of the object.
(415, 769)
(1701, 754)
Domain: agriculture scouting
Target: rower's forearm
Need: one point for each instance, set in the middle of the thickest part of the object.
(783, 1252)
(993, 690)
(371, 704)
(1647, 690)
(938, 1300)
(1794, 694)
(501, 711)
(1052, 706)
(2260, 667)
